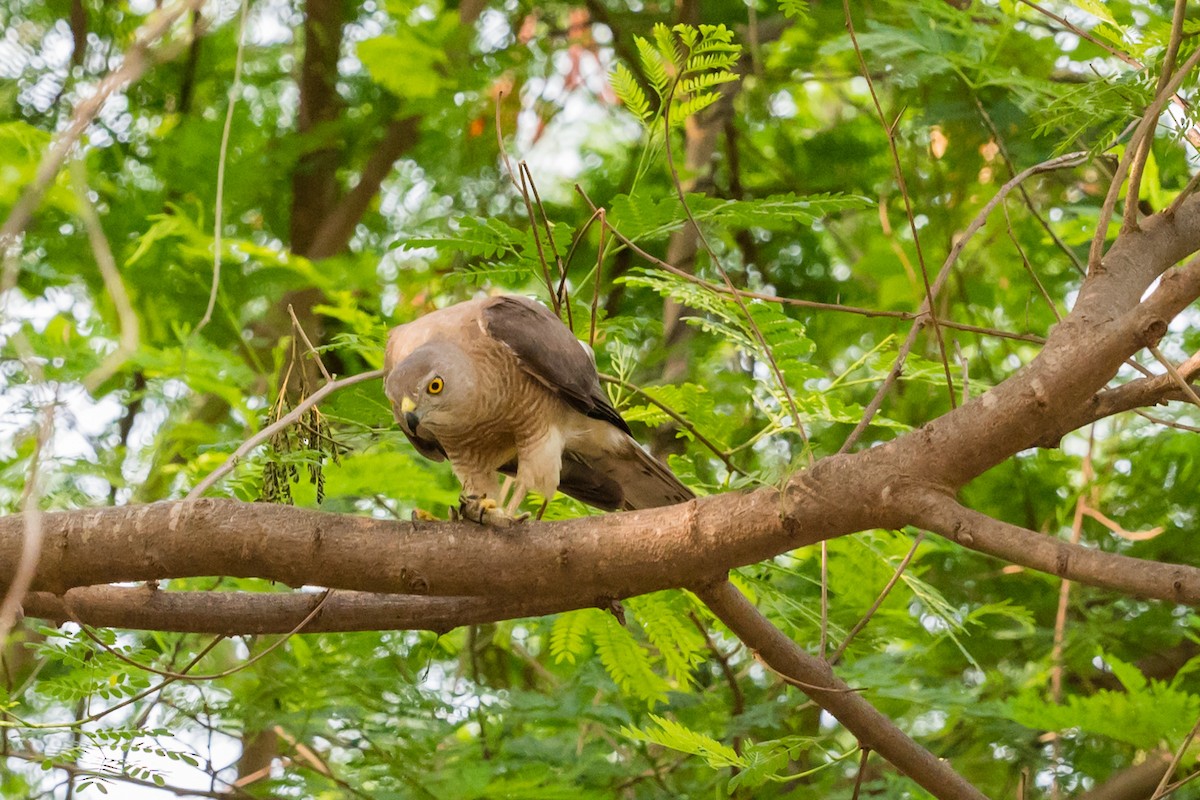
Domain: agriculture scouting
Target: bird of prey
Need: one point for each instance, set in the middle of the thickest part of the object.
(501, 385)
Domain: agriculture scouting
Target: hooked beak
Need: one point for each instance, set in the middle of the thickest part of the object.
(408, 409)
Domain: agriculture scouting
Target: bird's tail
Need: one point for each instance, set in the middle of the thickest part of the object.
(653, 485)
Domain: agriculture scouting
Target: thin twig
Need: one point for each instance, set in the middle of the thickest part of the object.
(1161, 790)
(31, 545)
(862, 769)
(309, 617)
(824, 636)
(1064, 596)
(1192, 184)
(269, 431)
(1012, 236)
(680, 420)
(1193, 135)
(890, 132)
(737, 297)
(218, 213)
(794, 301)
(596, 278)
(308, 343)
(1145, 128)
(127, 341)
(126, 702)
(1133, 191)
(1070, 159)
(561, 293)
(519, 183)
(1176, 375)
(883, 594)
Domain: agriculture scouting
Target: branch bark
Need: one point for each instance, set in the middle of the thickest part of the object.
(254, 613)
(815, 678)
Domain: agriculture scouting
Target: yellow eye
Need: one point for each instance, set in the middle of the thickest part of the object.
(435, 386)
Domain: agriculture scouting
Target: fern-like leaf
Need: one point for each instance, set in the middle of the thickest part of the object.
(690, 107)
(630, 93)
(476, 236)
(652, 65)
(667, 627)
(794, 9)
(669, 733)
(627, 662)
(568, 634)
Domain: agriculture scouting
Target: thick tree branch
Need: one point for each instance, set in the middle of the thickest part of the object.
(539, 569)
(253, 613)
(1175, 583)
(1135, 394)
(588, 561)
(815, 678)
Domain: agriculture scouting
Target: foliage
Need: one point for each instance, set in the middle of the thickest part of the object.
(797, 199)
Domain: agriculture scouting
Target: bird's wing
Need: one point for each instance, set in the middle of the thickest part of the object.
(627, 478)
(548, 352)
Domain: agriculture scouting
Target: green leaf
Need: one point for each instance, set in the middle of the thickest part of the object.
(627, 662)
(403, 64)
(627, 89)
(669, 733)
(568, 635)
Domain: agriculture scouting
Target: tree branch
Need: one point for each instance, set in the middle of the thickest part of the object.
(586, 561)
(816, 679)
(1175, 583)
(254, 613)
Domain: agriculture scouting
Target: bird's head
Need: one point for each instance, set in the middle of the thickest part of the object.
(428, 386)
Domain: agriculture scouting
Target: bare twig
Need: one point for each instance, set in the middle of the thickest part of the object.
(680, 420)
(31, 546)
(558, 261)
(176, 676)
(308, 343)
(737, 297)
(127, 342)
(218, 214)
(890, 131)
(1161, 790)
(1133, 192)
(523, 189)
(269, 431)
(795, 301)
(1179, 376)
(1145, 129)
(1070, 159)
(883, 594)
(1191, 186)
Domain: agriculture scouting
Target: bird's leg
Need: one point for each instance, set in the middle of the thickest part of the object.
(539, 466)
(518, 497)
(506, 489)
(478, 503)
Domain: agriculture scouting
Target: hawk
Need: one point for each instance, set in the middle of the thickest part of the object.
(501, 385)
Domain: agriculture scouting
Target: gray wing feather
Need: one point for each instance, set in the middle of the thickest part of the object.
(548, 351)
